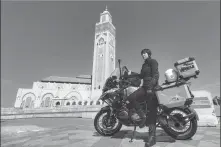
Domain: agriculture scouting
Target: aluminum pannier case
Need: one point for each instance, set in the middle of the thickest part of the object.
(187, 68)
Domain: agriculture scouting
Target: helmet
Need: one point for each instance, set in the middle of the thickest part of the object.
(148, 51)
(171, 75)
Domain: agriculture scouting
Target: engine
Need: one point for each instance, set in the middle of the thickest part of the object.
(123, 113)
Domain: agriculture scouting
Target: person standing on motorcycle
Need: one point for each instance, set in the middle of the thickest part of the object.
(150, 76)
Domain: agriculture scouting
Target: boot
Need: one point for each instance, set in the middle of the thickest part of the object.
(152, 136)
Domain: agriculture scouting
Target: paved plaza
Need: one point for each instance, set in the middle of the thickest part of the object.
(78, 132)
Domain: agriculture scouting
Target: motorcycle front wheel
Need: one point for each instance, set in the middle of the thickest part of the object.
(106, 125)
(178, 131)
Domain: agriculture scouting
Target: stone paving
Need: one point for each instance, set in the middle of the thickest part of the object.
(80, 136)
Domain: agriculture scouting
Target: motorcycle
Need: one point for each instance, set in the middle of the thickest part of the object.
(178, 119)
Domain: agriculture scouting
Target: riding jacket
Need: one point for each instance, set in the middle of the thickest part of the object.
(149, 73)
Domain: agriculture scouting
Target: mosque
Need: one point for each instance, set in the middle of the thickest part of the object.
(55, 91)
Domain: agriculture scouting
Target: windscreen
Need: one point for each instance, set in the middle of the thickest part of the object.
(116, 73)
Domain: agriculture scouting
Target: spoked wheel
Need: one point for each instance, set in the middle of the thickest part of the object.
(106, 125)
(178, 129)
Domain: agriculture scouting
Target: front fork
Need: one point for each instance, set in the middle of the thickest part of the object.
(109, 112)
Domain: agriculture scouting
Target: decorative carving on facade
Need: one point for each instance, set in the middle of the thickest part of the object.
(105, 27)
(74, 95)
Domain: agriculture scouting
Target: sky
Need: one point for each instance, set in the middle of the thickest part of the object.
(42, 39)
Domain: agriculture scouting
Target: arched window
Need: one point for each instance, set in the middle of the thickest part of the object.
(98, 103)
(57, 103)
(85, 103)
(47, 102)
(68, 103)
(74, 103)
(91, 103)
(80, 103)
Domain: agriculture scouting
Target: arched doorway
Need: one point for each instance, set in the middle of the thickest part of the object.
(47, 100)
(80, 103)
(28, 100)
(85, 103)
(73, 103)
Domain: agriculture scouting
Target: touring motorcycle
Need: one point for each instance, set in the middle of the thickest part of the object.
(177, 119)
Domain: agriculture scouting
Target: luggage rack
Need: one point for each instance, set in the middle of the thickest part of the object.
(177, 83)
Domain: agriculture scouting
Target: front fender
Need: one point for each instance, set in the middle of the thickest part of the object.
(106, 108)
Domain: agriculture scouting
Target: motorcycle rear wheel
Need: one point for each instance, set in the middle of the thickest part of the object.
(104, 128)
(182, 134)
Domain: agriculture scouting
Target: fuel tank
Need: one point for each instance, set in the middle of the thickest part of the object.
(128, 91)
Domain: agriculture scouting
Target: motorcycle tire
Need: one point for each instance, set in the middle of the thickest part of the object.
(104, 132)
(189, 133)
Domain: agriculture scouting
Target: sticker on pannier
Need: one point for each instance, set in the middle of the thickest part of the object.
(187, 68)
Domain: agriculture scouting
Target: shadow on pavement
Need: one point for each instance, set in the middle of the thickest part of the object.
(160, 135)
(96, 134)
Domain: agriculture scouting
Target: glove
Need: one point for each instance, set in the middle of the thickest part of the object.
(158, 88)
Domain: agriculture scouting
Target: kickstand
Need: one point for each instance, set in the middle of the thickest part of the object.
(131, 140)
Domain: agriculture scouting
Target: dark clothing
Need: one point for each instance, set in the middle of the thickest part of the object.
(139, 96)
(149, 73)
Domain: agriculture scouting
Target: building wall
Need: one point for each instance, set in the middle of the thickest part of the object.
(50, 94)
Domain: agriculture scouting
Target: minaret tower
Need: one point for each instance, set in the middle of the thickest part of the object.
(104, 51)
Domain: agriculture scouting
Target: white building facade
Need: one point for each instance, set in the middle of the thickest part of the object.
(53, 94)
